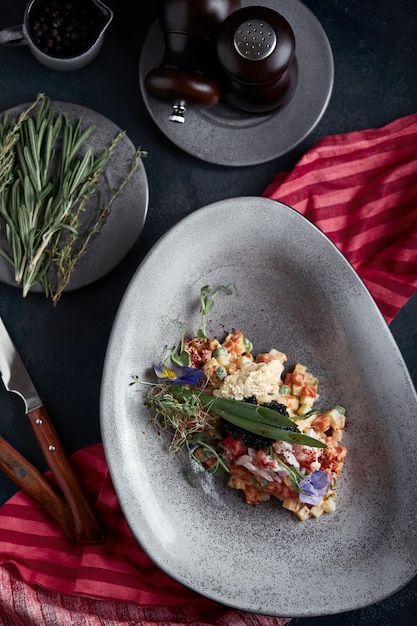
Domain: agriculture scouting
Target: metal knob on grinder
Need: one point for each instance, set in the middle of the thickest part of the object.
(188, 72)
(256, 51)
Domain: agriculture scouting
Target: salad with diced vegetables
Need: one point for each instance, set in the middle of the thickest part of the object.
(248, 417)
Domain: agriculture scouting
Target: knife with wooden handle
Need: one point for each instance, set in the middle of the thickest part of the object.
(16, 379)
(31, 481)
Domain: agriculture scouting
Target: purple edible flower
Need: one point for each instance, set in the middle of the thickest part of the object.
(314, 486)
(177, 375)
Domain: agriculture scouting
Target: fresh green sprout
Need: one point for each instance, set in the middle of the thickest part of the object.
(207, 295)
(188, 424)
(219, 467)
(177, 354)
(183, 417)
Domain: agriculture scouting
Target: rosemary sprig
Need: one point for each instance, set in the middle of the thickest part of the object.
(8, 137)
(66, 255)
(44, 189)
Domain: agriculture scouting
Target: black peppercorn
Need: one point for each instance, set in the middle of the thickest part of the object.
(65, 29)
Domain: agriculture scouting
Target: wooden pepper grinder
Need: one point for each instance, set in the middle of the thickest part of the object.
(188, 72)
(256, 50)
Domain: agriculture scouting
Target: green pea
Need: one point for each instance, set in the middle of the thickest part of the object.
(248, 344)
(220, 372)
(285, 390)
(220, 351)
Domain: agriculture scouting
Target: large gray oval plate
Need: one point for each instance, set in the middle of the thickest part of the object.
(297, 293)
(128, 214)
(228, 137)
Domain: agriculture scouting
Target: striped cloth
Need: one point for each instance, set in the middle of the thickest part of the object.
(361, 190)
(46, 581)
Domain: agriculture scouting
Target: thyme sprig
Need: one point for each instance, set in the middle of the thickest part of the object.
(44, 189)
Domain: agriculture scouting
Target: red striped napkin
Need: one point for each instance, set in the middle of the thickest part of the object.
(361, 190)
(46, 580)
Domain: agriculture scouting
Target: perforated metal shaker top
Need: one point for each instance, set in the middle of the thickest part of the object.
(255, 39)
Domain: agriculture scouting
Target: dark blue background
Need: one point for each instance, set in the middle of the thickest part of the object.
(375, 52)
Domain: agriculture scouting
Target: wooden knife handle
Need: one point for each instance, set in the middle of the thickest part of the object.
(87, 527)
(31, 481)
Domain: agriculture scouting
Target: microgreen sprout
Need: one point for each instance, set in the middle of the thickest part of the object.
(182, 416)
(212, 459)
(177, 355)
(207, 295)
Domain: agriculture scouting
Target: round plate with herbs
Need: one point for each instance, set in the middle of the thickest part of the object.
(113, 186)
(295, 292)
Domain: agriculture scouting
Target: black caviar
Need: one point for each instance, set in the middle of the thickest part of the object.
(251, 439)
(65, 28)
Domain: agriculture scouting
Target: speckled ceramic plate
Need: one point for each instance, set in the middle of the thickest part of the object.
(229, 137)
(128, 214)
(296, 293)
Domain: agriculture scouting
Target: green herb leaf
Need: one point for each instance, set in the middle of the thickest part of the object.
(256, 419)
(182, 359)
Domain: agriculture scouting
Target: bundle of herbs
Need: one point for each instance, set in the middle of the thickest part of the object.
(48, 175)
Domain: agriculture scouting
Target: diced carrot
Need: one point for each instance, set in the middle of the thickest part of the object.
(322, 422)
(309, 390)
(298, 378)
(265, 357)
(234, 343)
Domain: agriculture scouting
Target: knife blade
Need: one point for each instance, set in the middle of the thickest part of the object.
(17, 380)
(31, 481)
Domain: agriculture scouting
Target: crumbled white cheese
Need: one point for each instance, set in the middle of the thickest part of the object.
(253, 379)
(287, 450)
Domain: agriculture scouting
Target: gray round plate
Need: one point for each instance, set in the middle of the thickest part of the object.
(294, 292)
(128, 214)
(228, 137)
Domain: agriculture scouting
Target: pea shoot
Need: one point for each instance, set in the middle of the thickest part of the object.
(207, 295)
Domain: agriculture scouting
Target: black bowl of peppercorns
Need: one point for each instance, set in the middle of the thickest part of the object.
(66, 34)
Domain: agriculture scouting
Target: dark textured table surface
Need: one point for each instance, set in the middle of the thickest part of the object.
(375, 53)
